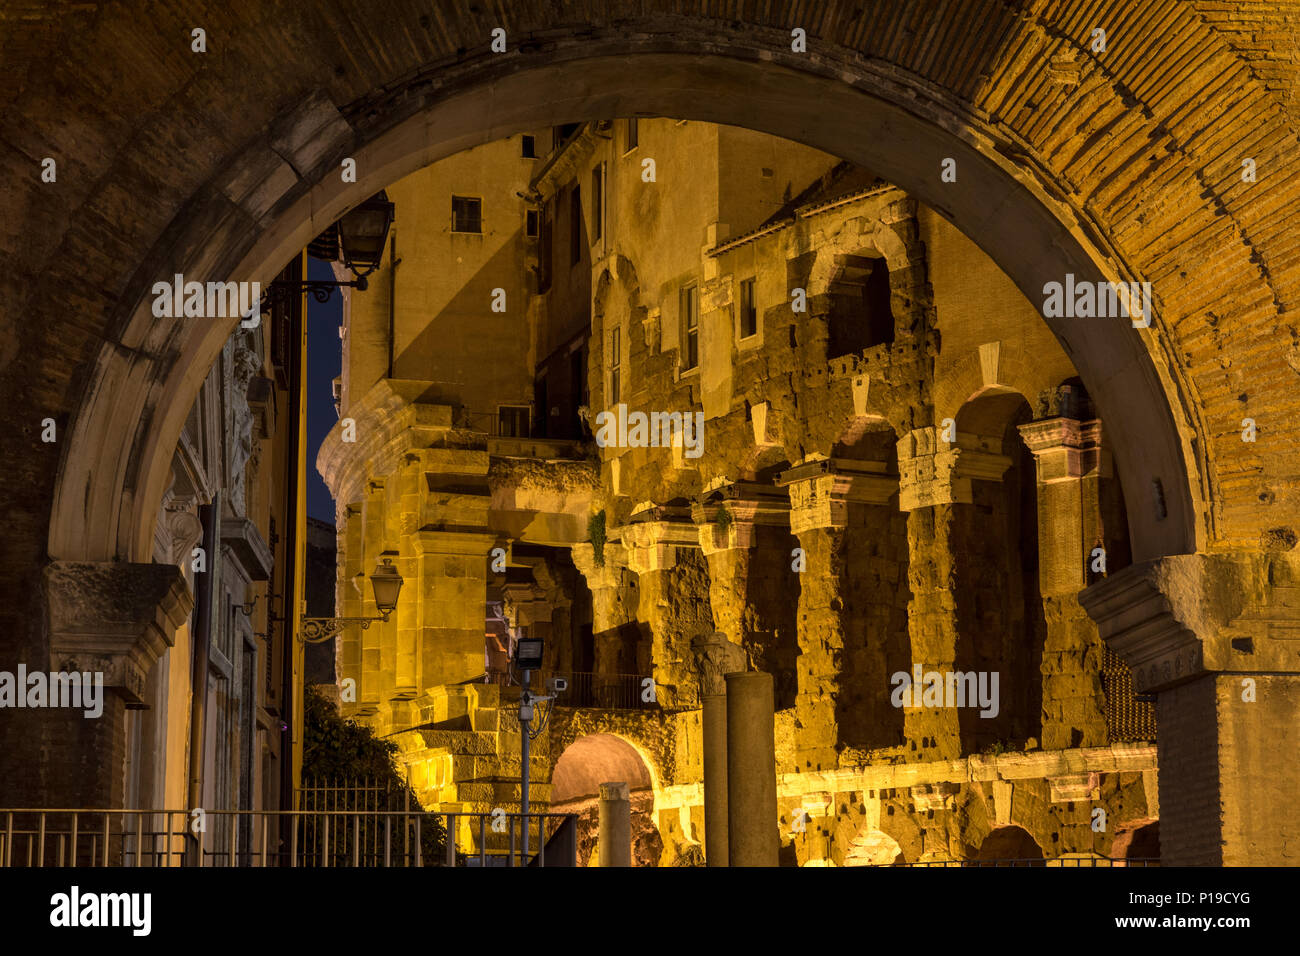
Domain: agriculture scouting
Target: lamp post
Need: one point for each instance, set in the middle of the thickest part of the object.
(386, 582)
(528, 657)
(357, 239)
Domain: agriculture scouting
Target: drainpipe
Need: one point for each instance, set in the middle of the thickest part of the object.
(293, 550)
(206, 590)
(392, 299)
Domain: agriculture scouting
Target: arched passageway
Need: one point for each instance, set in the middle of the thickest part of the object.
(1100, 176)
(576, 778)
(1009, 843)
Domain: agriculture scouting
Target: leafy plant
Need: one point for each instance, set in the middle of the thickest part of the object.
(338, 748)
(722, 522)
(596, 534)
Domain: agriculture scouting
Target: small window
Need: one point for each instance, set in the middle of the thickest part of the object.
(575, 226)
(513, 421)
(748, 310)
(633, 136)
(528, 147)
(690, 328)
(530, 223)
(615, 366)
(597, 202)
(466, 214)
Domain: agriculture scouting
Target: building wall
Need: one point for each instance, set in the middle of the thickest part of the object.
(833, 527)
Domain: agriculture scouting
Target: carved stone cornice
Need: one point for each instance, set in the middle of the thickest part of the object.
(652, 537)
(1066, 449)
(394, 417)
(751, 505)
(114, 617)
(933, 472)
(822, 490)
(1180, 617)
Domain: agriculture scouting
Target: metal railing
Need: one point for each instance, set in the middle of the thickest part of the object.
(306, 838)
(587, 689)
(1090, 862)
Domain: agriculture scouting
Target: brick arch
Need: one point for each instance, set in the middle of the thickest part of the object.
(1100, 170)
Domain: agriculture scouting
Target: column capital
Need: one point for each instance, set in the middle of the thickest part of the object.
(607, 574)
(1180, 617)
(653, 536)
(114, 617)
(821, 490)
(1066, 448)
(935, 472)
(750, 504)
(715, 658)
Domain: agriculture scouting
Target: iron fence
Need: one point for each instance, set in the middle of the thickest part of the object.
(292, 838)
(587, 689)
(1087, 862)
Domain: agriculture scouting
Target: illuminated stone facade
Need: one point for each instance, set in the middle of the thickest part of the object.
(898, 470)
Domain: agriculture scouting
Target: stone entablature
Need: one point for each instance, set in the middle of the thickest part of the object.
(1036, 765)
(390, 420)
(750, 505)
(652, 538)
(934, 472)
(1066, 449)
(822, 490)
(1184, 616)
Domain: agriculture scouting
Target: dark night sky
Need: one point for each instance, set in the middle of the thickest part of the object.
(324, 362)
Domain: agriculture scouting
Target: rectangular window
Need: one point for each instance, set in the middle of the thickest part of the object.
(633, 136)
(466, 214)
(575, 226)
(512, 421)
(528, 147)
(530, 223)
(748, 310)
(615, 367)
(597, 202)
(690, 328)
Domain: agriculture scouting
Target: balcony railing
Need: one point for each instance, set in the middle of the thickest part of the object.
(285, 838)
(586, 689)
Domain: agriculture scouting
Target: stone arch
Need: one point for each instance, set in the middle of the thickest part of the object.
(591, 760)
(873, 847)
(240, 216)
(1009, 843)
(849, 265)
(1001, 626)
(1138, 841)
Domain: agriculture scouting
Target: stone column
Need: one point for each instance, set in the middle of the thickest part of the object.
(821, 493)
(715, 658)
(1215, 637)
(934, 480)
(110, 618)
(615, 818)
(744, 535)
(752, 836)
(614, 601)
(672, 579)
(1070, 466)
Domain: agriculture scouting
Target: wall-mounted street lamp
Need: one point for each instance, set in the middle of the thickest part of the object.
(386, 583)
(357, 239)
